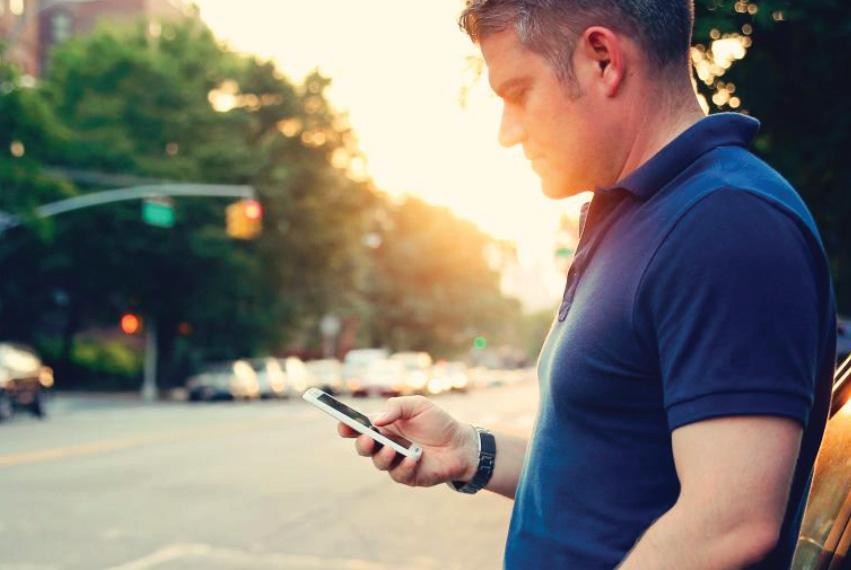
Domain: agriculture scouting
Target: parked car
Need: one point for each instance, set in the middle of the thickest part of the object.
(355, 365)
(843, 338)
(450, 376)
(271, 379)
(418, 372)
(296, 374)
(825, 537)
(483, 377)
(235, 380)
(327, 375)
(385, 378)
(23, 380)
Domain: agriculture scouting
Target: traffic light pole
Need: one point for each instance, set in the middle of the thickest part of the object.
(149, 383)
(92, 199)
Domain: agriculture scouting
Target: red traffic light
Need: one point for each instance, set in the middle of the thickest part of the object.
(253, 209)
(130, 323)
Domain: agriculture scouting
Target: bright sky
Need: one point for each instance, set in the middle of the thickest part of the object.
(398, 69)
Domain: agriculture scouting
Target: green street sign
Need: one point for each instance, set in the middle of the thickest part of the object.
(564, 251)
(158, 212)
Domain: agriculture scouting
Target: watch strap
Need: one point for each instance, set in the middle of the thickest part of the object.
(487, 458)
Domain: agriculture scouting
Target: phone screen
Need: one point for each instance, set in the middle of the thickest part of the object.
(343, 408)
(360, 418)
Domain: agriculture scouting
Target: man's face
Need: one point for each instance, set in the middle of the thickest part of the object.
(560, 127)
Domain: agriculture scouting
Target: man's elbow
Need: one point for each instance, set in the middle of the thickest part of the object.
(754, 540)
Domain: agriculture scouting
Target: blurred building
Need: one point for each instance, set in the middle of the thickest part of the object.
(21, 40)
(30, 28)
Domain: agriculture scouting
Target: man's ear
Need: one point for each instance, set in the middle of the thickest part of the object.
(601, 54)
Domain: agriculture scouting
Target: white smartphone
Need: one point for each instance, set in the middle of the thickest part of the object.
(358, 421)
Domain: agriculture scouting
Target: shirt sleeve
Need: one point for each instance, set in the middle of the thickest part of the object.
(732, 300)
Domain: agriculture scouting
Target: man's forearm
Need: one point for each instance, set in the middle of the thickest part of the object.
(697, 539)
(510, 452)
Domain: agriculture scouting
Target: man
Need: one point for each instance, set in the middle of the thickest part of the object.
(685, 380)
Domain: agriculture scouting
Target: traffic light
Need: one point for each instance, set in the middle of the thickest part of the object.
(130, 323)
(244, 219)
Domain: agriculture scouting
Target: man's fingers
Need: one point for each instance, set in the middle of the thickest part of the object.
(385, 459)
(346, 431)
(365, 445)
(404, 471)
(404, 407)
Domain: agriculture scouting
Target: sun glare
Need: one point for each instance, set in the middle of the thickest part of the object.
(400, 85)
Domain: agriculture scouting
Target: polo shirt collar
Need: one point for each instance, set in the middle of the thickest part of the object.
(721, 129)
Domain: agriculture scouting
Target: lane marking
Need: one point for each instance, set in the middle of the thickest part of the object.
(110, 445)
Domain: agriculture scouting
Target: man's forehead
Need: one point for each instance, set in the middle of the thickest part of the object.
(508, 60)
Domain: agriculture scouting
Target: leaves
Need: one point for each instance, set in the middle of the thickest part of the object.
(182, 107)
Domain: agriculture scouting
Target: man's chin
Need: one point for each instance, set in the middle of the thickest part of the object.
(558, 189)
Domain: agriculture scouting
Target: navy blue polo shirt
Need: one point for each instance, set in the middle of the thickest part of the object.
(699, 289)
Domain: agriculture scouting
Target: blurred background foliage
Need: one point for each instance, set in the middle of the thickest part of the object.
(180, 106)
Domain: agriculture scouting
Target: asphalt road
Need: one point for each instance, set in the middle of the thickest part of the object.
(116, 484)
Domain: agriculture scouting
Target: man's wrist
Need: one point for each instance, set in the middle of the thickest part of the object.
(472, 449)
(486, 446)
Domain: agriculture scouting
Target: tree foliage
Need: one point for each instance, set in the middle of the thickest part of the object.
(180, 107)
(433, 289)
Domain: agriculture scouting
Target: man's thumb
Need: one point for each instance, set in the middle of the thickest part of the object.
(396, 409)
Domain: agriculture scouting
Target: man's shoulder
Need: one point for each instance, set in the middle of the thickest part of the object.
(732, 181)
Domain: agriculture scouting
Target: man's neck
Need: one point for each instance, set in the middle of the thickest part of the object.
(654, 129)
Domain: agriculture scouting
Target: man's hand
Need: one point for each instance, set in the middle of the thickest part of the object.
(450, 448)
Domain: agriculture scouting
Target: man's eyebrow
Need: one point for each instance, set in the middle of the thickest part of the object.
(508, 84)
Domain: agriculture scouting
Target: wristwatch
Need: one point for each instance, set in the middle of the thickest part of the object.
(487, 456)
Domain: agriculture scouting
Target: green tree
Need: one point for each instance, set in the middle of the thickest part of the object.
(29, 131)
(146, 106)
(432, 288)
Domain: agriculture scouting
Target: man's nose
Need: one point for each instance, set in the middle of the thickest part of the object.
(511, 130)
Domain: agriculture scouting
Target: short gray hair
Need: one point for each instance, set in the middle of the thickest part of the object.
(550, 28)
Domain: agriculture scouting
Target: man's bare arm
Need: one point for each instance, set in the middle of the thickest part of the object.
(735, 475)
(510, 452)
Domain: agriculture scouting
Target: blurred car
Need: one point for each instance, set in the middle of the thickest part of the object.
(23, 380)
(384, 378)
(484, 377)
(327, 375)
(418, 372)
(448, 376)
(296, 374)
(825, 536)
(271, 379)
(355, 365)
(843, 338)
(235, 380)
